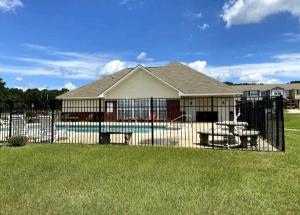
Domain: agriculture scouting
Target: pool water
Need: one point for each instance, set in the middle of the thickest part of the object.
(104, 128)
(115, 128)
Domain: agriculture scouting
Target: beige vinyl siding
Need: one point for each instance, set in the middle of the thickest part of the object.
(141, 84)
(221, 105)
(81, 106)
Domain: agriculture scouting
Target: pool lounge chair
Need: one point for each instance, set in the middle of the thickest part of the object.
(154, 116)
(19, 126)
(46, 130)
(1, 122)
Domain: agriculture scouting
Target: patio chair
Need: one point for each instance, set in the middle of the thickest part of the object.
(46, 130)
(1, 122)
(154, 115)
(19, 126)
(5, 120)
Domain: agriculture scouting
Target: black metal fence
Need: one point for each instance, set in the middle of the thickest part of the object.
(204, 122)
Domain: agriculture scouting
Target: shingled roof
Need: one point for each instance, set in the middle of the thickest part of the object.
(265, 87)
(185, 79)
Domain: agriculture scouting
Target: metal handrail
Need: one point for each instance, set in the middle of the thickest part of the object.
(180, 117)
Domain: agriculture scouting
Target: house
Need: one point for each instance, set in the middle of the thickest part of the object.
(125, 95)
(288, 91)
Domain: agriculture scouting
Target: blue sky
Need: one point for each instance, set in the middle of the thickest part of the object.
(54, 43)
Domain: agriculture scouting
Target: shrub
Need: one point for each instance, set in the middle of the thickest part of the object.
(17, 141)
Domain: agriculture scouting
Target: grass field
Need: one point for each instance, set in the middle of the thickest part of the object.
(82, 179)
(292, 121)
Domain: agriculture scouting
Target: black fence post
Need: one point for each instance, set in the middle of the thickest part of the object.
(282, 124)
(152, 125)
(278, 99)
(212, 123)
(10, 103)
(99, 122)
(52, 122)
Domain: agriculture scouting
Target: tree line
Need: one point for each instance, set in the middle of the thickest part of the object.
(30, 97)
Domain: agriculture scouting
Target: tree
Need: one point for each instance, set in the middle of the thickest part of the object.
(36, 97)
(16, 95)
(228, 83)
(3, 90)
(294, 82)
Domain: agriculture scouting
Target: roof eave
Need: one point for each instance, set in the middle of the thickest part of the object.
(74, 98)
(209, 94)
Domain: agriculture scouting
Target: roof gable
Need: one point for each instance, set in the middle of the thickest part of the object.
(136, 69)
(187, 81)
(140, 83)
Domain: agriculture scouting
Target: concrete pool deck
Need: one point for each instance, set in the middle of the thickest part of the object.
(181, 135)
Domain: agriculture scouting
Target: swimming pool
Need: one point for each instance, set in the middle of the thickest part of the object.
(115, 128)
(104, 128)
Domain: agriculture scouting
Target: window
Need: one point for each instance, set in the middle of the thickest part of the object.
(109, 107)
(277, 92)
(139, 109)
(298, 91)
(254, 93)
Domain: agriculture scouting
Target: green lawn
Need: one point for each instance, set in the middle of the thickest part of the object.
(292, 121)
(82, 179)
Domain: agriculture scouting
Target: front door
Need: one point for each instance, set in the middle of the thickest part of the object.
(110, 111)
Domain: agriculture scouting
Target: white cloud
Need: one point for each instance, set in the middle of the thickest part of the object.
(237, 12)
(132, 4)
(273, 81)
(288, 57)
(32, 86)
(27, 70)
(251, 77)
(249, 55)
(10, 5)
(68, 64)
(285, 67)
(258, 72)
(143, 57)
(204, 26)
(90, 66)
(198, 65)
(112, 67)
(124, 2)
(64, 64)
(193, 15)
(291, 37)
(69, 86)
(19, 79)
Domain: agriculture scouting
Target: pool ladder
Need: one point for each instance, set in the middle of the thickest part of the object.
(171, 124)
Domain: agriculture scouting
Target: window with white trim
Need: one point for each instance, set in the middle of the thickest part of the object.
(139, 109)
(277, 92)
(254, 93)
(109, 107)
(263, 93)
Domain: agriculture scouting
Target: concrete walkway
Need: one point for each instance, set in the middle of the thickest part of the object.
(293, 110)
(292, 129)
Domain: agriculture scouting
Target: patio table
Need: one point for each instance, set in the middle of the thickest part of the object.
(232, 124)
